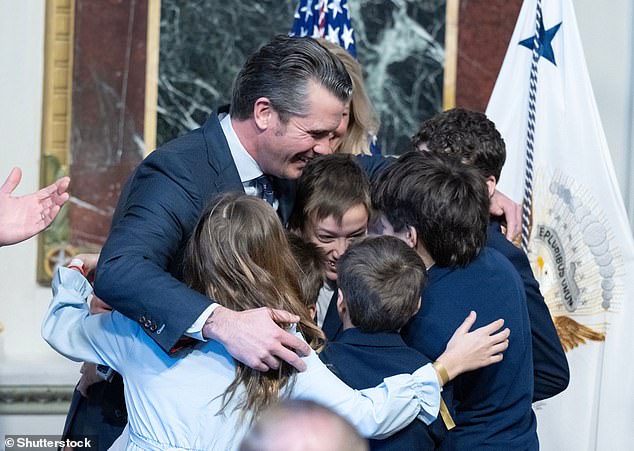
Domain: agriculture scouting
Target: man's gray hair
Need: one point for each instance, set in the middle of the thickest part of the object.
(282, 71)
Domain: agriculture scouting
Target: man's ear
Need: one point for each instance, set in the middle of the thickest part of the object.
(491, 184)
(341, 304)
(263, 113)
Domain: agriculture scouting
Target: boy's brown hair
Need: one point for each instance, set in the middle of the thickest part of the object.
(381, 279)
(330, 185)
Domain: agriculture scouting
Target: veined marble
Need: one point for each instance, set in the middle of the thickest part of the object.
(400, 43)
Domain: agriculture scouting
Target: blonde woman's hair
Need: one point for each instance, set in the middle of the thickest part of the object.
(239, 256)
(364, 121)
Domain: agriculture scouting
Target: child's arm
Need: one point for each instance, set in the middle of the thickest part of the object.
(70, 329)
(375, 412)
(383, 410)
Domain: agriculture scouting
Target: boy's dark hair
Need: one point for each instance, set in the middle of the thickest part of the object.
(444, 200)
(382, 280)
(468, 134)
(310, 260)
(330, 185)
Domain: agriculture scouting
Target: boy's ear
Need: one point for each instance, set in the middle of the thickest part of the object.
(341, 303)
(411, 238)
(263, 113)
(491, 184)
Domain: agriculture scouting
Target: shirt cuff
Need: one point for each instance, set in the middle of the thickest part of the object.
(427, 390)
(72, 280)
(196, 329)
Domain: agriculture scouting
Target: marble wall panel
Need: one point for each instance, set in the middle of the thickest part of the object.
(400, 43)
(107, 111)
(484, 30)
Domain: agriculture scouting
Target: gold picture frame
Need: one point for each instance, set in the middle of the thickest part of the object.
(54, 246)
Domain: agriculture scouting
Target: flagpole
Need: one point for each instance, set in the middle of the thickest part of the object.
(451, 54)
(527, 204)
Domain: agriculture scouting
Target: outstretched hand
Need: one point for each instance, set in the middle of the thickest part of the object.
(512, 212)
(22, 217)
(468, 351)
(254, 338)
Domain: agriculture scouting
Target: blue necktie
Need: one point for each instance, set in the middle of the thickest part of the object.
(265, 189)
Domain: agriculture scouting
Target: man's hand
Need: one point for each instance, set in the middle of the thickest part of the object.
(98, 306)
(254, 338)
(512, 212)
(90, 261)
(468, 351)
(25, 216)
(89, 264)
(88, 377)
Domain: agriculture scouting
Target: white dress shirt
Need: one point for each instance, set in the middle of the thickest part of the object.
(173, 403)
(248, 169)
(323, 302)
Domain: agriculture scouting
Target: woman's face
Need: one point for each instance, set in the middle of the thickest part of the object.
(340, 132)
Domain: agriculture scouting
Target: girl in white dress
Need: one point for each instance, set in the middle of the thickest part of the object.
(203, 399)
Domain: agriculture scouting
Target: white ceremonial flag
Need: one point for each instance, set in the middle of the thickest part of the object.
(580, 245)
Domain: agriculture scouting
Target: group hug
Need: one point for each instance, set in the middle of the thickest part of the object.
(269, 256)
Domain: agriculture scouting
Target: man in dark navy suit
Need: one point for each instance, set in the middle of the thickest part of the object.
(287, 100)
(474, 138)
(439, 206)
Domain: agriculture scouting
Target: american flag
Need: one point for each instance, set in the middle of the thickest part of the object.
(327, 19)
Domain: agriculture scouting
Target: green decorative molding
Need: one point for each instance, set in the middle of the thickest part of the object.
(35, 399)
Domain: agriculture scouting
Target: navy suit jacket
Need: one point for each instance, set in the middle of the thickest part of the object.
(140, 268)
(550, 367)
(362, 360)
(493, 404)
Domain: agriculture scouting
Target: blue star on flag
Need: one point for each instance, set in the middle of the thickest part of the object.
(545, 41)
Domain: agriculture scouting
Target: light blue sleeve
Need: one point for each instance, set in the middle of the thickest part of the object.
(71, 330)
(376, 412)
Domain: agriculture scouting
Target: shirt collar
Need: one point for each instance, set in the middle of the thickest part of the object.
(248, 168)
(378, 339)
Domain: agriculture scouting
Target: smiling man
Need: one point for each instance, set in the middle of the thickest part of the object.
(287, 100)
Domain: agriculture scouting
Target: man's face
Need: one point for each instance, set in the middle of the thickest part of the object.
(333, 238)
(286, 148)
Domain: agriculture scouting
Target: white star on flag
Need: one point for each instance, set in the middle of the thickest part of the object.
(335, 5)
(307, 9)
(333, 34)
(346, 36)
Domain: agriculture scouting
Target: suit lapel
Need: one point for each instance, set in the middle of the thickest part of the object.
(219, 155)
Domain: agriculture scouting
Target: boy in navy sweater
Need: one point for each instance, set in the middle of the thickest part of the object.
(472, 137)
(440, 207)
(380, 281)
